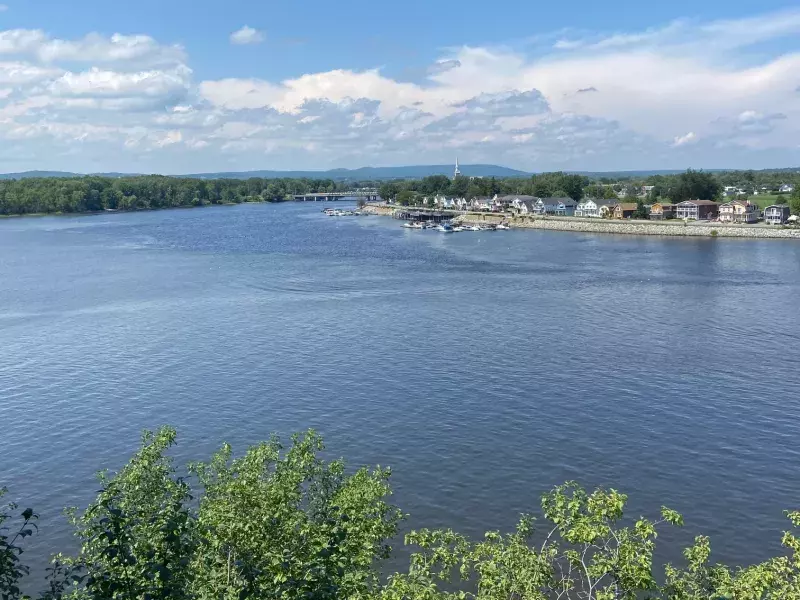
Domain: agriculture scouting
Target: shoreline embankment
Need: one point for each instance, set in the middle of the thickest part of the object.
(618, 227)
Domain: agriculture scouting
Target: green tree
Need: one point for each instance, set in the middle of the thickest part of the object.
(388, 191)
(694, 185)
(641, 210)
(406, 198)
(794, 201)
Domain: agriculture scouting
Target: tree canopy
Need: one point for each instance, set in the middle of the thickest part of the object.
(282, 523)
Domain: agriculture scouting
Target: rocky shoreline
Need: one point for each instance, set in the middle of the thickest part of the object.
(586, 225)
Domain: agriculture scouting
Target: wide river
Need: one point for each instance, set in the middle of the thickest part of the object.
(483, 367)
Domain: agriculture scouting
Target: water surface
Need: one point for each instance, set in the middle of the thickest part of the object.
(483, 367)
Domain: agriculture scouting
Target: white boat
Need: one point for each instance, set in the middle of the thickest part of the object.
(473, 228)
(503, 227)
(458, 228)
(445, 228)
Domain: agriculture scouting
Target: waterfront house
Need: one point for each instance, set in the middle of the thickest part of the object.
(786, 188)
(526, 207)
(555, 206)
(696, 209)
(777, 214)
(461, 204)
(517, 202)
(624, 210)
(661, 211)
(589, 207)
(738, 211)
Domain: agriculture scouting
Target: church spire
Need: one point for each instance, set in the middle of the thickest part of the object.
(457, 172)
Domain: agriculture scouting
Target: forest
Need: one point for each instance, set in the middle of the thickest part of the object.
(94, 194)
(280, 522)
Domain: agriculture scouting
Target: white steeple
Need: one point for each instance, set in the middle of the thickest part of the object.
(457, 172)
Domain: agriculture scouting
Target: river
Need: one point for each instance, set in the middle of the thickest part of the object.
(483, 367)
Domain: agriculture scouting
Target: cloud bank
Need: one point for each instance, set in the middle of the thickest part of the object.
(684, 94)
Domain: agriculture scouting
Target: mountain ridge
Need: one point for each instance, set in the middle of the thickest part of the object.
(374, 173)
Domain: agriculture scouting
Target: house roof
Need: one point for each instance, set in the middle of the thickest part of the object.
(664, 205)
(626, 205)
(528, 204)
(786, 206)
(512, 197)
(699, 202)
(566, 201)
(599, 201)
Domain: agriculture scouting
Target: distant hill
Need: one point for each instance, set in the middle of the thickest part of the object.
(31, 174)
(362, 174)
(372, 173)
(382, 173)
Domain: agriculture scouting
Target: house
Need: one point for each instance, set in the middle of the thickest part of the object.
(661, 211)
(738, 211)
(461, 204)
(480, 204)
(592, 207)
(588, 207)
(777, 214)
(696, 209)
(526, 207)
(786, 188)
(624, 210)
(555, 206)
(517, 202)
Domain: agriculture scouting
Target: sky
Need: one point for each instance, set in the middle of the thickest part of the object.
(187, 86)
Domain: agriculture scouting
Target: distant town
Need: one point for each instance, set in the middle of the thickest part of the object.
(743, 197)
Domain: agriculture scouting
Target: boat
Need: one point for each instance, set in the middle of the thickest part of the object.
(458, 228)
(473, 228)
(445, 228)
(414, 225)
(503, 227)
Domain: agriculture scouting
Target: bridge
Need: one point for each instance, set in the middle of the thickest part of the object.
(368, 194)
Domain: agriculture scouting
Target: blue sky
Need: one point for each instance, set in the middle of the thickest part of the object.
(178, 86)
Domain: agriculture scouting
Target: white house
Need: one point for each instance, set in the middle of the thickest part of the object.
(461, 204)
(786, 188)
(589, 207)
(519, 201)
(526, 207)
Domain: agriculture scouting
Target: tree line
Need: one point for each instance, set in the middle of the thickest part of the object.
(94, 193)
(91, 194)
(282, 523)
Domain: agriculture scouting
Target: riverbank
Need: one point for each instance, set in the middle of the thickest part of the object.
(628, 227)
(90, 213)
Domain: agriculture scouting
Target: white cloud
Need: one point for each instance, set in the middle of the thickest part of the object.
(3, 7)
(247, 36)
(684, 139)
(684, 93)
(141, 50)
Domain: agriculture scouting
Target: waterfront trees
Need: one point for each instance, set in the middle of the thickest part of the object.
(282, 523)
(694, 185)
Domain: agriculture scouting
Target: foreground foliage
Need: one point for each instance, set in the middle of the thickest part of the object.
(281, 523)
